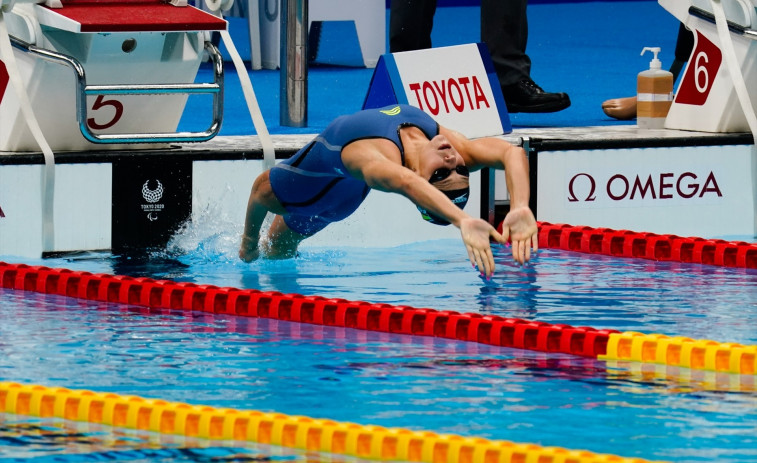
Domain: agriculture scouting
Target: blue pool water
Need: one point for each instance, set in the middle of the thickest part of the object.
(699, 301)
(390, 380)
(405, 381)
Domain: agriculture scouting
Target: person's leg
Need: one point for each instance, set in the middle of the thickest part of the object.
(410, 24)
(504, 29)
(282, 241)
(262, 200)
(622, 109)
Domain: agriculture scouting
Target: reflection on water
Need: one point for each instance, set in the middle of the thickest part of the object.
(58, 441)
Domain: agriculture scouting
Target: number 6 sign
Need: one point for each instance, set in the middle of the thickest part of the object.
(700, 73)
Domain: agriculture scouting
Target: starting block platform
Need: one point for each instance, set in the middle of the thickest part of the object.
(119, 16)
(659, 181)
(83, 65)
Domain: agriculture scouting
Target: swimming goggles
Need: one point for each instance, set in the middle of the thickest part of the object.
(442, 173)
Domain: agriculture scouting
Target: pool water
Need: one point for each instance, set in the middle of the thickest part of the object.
(390, 380)
(698, 301)
(409, 381)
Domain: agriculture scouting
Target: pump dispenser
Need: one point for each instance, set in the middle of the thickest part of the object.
(654, 93)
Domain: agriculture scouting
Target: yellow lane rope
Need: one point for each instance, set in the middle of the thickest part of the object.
(697, 354)
(370, 442)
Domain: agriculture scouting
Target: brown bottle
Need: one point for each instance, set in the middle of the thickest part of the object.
(654, 94)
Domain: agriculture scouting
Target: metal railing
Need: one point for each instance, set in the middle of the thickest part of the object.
(83, 90)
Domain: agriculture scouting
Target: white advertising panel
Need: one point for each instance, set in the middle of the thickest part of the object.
(453, 86)
(704, 191)
(82, 209)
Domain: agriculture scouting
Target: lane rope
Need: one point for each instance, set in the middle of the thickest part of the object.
(651, 246)
(602, 344)
(300, 432)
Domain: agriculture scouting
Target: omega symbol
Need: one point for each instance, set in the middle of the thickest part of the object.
(590, 196)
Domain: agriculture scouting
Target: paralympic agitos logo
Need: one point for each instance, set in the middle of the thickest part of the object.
(583, 187)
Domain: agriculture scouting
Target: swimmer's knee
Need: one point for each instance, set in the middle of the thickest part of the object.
(262, 193)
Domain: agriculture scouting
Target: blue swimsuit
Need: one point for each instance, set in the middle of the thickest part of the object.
(314, 186)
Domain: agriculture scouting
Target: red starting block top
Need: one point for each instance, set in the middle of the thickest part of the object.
(128, 16)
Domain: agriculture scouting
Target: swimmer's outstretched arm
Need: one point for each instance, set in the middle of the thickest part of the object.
(367, 162)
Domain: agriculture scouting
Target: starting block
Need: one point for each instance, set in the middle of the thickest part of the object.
(707, 99)
(105, 73)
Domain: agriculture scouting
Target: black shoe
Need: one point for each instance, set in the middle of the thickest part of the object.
(527, 97)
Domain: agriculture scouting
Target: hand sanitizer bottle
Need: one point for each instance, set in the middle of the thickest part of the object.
(654, 93)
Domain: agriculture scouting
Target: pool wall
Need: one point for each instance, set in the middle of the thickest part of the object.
(139, 199)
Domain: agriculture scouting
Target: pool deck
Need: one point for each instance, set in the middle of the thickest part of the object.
(247, 147)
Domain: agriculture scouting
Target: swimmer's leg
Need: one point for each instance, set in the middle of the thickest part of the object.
(262, 200)
(282, 241)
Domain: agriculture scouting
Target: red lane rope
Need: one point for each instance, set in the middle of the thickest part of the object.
(626, 243)
(473, 327)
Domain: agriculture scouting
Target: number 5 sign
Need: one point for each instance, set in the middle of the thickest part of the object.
(700, 73)
(101, 102)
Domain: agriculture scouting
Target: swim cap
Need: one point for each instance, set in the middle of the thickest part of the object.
(458, 197)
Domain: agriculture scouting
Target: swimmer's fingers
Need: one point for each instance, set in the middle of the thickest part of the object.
(483, 261)
(517, 250)
(476, 234)
(475, 258)
(502, 238)
(532, 246)
(522, 251)
(523, 247)
(471, 256)
(489, 258)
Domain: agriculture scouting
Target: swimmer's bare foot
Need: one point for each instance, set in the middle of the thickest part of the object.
(248, 251)
(620, 108)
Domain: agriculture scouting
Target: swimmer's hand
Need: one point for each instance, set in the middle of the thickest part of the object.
(248, 251)
(520, 227)
(476, 234)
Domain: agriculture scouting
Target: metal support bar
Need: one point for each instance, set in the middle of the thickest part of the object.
(294, 64)
(487, 207)
(732, 26)
(84, 90)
